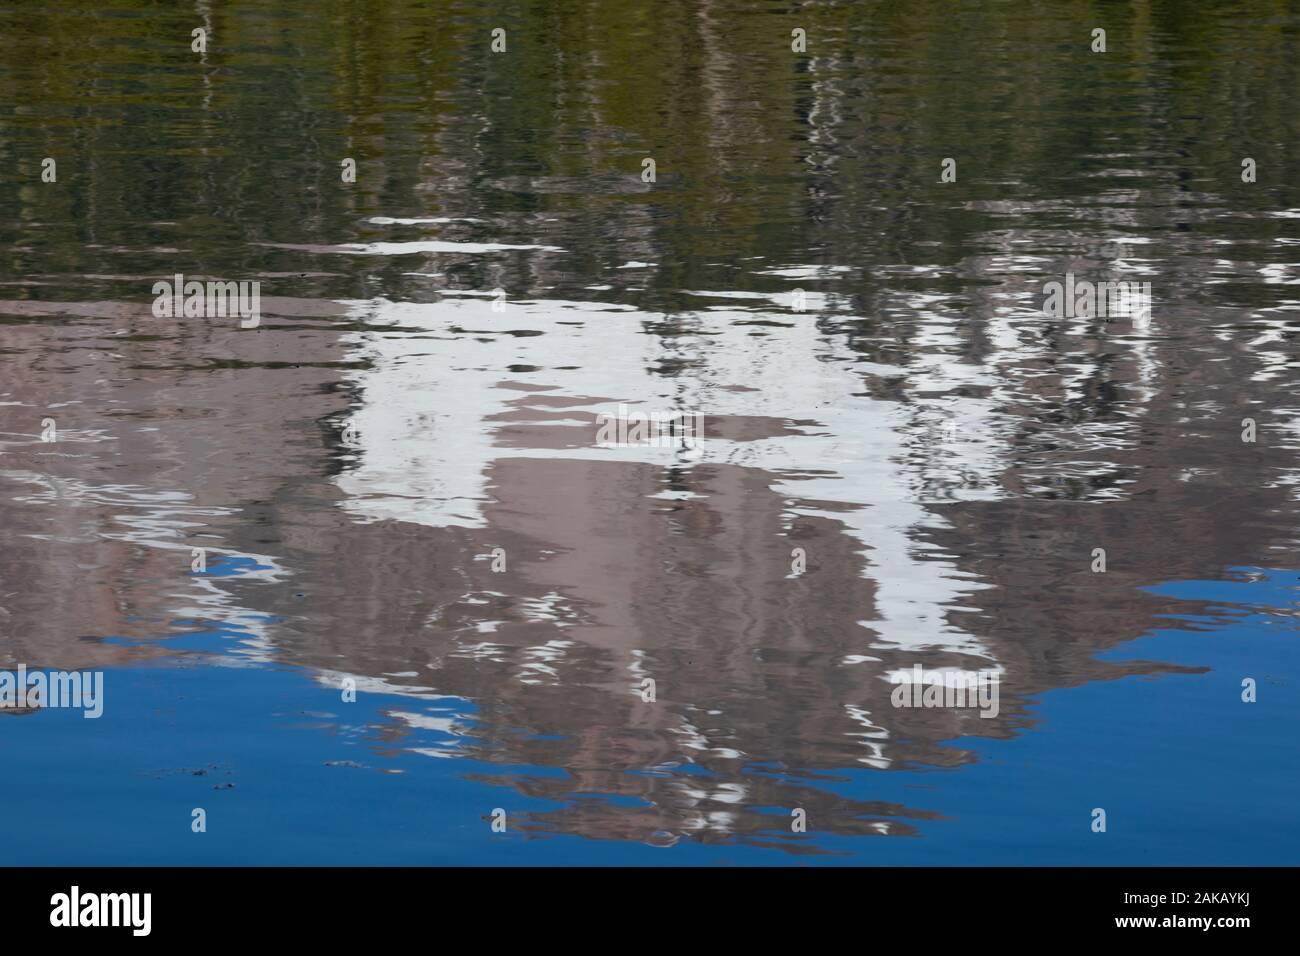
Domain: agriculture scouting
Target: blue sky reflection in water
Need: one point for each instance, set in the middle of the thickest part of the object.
(945, 454)
(295, 777)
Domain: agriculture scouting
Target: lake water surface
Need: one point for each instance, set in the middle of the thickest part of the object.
(397, 486)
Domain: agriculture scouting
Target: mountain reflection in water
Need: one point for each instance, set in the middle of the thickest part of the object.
(945, 455)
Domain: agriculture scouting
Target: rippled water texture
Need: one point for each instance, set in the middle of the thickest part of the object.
(917, 468)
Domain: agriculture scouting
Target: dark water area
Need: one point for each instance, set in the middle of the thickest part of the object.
(397, 483)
